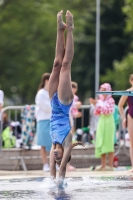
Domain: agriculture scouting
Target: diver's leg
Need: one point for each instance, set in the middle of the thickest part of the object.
(59, 54)
(65, 93)
(52, 162)
(130, 130)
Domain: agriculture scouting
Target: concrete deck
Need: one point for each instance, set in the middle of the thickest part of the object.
(78, 173)
(82, 157)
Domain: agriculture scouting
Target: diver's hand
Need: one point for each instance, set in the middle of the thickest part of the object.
(60, 182)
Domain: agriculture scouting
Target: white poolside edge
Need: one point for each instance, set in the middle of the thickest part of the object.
(78, 173)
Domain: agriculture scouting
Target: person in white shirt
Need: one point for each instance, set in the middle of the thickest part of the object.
(1, 102)
(43, 114)
(93, 121)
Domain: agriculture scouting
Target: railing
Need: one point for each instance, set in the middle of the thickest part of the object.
(9, 108)
(84, 121)
(84, 108)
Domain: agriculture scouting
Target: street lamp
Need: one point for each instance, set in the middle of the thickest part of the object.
(97, 51)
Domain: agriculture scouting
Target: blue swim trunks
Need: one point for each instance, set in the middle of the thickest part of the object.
(59, 122)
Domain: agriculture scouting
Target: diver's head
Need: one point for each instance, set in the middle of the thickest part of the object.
(59, 151)
(59, 160)
(131, 80)
(58, 154)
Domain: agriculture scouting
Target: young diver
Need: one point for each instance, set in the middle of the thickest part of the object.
(61, 95)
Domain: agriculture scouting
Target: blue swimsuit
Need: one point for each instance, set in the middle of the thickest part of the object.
(59, 122)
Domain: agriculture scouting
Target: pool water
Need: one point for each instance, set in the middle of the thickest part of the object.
(74, 188)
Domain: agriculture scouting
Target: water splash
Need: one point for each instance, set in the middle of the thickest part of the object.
(72, 188)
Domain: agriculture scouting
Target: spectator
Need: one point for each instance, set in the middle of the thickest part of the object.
(5, 120)
(104, 108)
(43, 114)
(93, 121)
(83, 134)
(1, 103)
(129, 121)
(9, 134)
(28, 125)
(117, 120)
(1, 99)
(13, 129)
(74, 112)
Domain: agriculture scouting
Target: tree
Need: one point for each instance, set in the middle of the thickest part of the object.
(27, 42)
(120, 75)
(23, 36)
(113, 44)
(122, 69)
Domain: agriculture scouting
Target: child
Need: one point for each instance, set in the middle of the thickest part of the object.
(74, 112)
(61, 95)
(104, 108)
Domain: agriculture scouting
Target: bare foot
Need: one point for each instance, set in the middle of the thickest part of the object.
(70, 167)
(131, 170)
(60, 24)
(69, 20)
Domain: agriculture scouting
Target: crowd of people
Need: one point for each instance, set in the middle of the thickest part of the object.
(103, 122)
(57, 106)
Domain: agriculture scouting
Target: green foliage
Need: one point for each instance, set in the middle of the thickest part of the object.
(27, 42)
(122, 69)
(22, 52)
(113, 44)
(128, 10)
(119, 77)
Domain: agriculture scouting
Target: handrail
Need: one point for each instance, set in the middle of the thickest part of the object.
(85, 106)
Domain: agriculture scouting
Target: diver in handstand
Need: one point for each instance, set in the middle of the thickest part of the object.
(61, 95)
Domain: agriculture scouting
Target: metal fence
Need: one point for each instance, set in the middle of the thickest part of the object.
(14, 114)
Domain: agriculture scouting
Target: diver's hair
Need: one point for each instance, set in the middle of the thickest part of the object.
(44, 77)
(74, 145)
(74, 85)
(131, 77)
(5, 118)
(77, 143)
(69, 158)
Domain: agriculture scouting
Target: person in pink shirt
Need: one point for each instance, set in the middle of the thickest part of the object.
(104, 108)
(74, 112)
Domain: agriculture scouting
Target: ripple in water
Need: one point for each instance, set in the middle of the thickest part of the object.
(73, 189)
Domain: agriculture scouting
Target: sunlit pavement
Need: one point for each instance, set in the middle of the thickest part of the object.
(78, 173)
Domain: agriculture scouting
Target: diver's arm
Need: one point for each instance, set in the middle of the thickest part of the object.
(66, 155)
(121, 103)
(52, 162)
